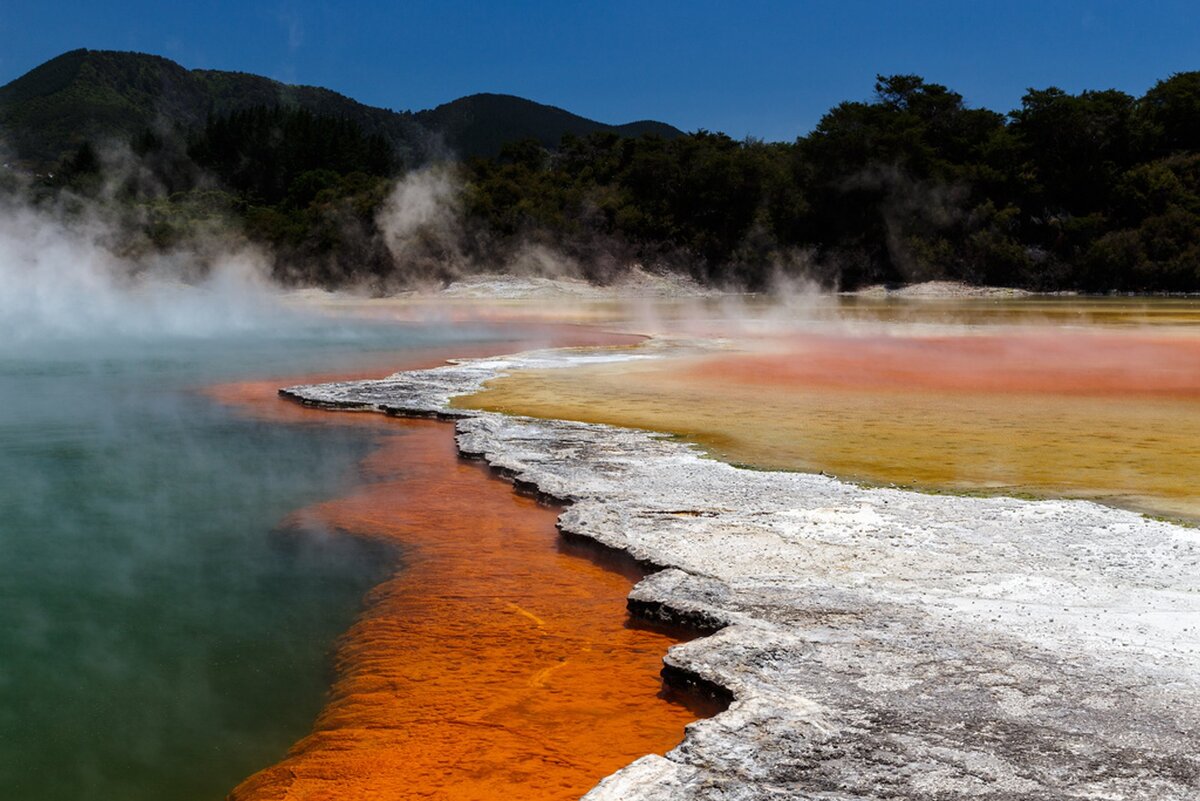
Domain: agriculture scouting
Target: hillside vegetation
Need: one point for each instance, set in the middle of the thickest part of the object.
(1097, 191)
(94, 95)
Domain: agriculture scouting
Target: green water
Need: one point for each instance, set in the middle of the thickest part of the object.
(161, 636)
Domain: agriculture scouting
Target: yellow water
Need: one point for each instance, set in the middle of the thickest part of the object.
(1097, 399)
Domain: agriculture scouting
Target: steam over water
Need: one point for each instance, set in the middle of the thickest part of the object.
(64, 281)
(164, 627)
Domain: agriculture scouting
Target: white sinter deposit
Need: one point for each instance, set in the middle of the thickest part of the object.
(877, 644)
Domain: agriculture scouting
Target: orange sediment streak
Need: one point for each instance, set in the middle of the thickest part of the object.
(1038, 363)
(1112, 415)
(495, 664)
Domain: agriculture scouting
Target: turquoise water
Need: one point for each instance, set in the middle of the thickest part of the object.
(161, 636)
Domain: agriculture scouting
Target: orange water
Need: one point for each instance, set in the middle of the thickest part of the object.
(499, 663)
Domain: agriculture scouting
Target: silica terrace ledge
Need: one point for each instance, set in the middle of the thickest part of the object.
(876, 643)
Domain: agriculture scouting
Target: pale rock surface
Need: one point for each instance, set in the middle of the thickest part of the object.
(633, 283)
(876, 643)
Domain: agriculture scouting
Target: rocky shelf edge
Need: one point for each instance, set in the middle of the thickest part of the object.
(875, 643)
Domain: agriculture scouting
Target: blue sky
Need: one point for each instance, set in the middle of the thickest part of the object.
(767, 69)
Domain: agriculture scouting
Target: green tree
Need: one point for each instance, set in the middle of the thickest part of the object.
(1172, 107)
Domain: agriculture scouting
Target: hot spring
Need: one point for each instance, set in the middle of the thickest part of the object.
(165, 621)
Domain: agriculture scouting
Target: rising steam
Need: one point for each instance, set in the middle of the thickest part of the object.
(423, 225)
(62, 279)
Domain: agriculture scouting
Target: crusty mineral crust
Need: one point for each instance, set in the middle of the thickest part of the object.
(877, 643)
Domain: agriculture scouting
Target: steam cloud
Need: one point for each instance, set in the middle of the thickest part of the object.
(422, 225)
(73, 268)
(62, 278)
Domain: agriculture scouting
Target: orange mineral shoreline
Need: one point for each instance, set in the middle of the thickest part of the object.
(496, 663)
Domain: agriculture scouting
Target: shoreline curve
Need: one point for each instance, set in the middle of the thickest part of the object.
(874, 643)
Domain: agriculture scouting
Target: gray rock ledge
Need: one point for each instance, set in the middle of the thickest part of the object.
(876, 643)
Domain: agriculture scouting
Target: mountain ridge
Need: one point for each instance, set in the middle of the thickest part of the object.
(465, 118)
(91, 95)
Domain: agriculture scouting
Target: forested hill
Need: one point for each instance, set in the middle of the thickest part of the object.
(97, 95)
(1095, 191)
(480, 125)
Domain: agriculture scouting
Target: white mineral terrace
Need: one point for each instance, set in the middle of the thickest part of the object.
(877, 643)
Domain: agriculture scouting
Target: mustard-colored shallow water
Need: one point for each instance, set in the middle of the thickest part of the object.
(1091, 410)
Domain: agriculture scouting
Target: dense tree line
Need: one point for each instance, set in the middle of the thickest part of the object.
(1098, 191)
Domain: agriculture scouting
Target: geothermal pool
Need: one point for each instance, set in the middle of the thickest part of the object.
(165, 620)
(1091, 398)
(197, 576)
(203, 587)
(499, 664)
